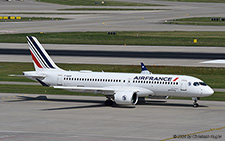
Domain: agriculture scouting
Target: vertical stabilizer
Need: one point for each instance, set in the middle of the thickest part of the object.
(41, 59)
(144, 70)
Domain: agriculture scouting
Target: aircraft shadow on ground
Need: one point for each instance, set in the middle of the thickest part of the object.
(44, 98)
(164, 103)
(98, 103)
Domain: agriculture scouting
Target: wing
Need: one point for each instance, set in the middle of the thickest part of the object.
(141, 92)
(122, 95)
(101, 90)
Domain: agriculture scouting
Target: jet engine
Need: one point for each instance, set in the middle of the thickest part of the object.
(126, 98)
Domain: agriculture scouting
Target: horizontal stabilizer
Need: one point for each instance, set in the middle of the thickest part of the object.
(33, 74)
(42, 83)
(16, 75)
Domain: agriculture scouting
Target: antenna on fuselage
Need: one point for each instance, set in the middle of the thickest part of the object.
(144, 70)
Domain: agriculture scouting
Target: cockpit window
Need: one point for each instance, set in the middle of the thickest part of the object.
(199, 83)
(202, 83)
(196, 84)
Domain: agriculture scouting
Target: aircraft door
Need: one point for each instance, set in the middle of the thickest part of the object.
(59, 80)
(183, 86)
(201, 90)
(128, 81)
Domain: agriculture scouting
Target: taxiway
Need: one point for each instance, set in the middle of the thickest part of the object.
(136, 20)
(27, 117)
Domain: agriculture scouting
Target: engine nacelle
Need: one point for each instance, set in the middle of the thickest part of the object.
(126, 98)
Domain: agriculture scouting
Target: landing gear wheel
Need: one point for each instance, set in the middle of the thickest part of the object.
(195, 105)
(108, 102)
(195, 102)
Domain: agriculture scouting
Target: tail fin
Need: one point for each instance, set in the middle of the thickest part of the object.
(144, 70)
(41, 59)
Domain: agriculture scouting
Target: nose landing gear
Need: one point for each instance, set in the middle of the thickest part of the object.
(195, 102)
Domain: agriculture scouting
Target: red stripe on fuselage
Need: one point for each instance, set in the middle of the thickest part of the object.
(176, 79)
(35, 60)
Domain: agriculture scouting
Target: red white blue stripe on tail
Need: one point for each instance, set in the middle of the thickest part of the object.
(40, 57)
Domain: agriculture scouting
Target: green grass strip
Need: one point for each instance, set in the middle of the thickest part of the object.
(34, 89)
(162, 38)
(197, 21)
(96, 3)
(212, 76)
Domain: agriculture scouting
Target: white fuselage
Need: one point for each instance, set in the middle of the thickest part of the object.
(149, 84)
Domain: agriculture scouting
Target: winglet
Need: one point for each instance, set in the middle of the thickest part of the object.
(144, 69)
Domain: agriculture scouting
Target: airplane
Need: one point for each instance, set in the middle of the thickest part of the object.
(118, 88)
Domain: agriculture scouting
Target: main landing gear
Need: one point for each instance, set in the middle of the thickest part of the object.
(195, 102)
(109, 102)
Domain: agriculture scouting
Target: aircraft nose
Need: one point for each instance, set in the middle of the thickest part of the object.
(207, 91)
